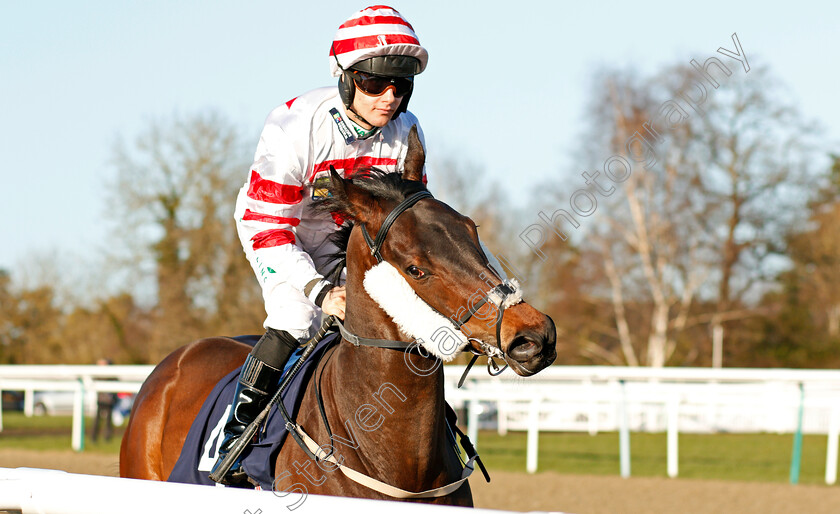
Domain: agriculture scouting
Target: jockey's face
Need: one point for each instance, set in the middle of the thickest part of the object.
(377, 110)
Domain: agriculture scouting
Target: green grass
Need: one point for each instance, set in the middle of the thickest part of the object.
(51, 433)
(750, 457)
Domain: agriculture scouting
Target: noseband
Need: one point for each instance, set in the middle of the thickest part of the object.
(497, 296)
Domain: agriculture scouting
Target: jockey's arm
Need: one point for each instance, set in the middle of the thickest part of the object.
(268, 214)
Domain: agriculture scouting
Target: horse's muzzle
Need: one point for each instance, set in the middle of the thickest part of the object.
(532, 348)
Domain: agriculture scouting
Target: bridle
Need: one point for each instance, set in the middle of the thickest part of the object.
(376, 244)
(497, 296)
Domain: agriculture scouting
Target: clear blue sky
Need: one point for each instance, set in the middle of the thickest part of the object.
(505, 86)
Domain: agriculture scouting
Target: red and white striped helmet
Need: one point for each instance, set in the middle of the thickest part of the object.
(375, 31)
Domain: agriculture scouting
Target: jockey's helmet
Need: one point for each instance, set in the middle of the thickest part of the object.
(374, 49)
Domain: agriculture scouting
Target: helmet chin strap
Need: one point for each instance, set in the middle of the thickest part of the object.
(362, 118)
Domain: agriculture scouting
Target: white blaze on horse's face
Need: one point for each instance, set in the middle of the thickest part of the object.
(417, 319)
(412, 315)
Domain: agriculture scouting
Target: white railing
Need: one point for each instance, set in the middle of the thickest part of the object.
(31, 491)
(572, 398)
(84, 381)
(72, 372)
(673, 400)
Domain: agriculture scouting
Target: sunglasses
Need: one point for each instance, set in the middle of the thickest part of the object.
(374, 85)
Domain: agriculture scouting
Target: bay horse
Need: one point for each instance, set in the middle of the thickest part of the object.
(436, 253)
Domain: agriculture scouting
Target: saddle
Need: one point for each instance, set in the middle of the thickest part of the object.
(199, 451)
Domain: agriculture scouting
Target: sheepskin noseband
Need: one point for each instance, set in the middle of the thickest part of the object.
(414, 317)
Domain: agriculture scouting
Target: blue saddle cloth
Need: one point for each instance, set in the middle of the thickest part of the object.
(199, 451)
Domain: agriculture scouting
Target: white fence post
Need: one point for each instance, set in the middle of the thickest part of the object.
(533, 434)
(78, 431)
(831, 452)
(623, 432)
(572, 398)
(472, 421)
(673, 435)
(502, 417)
(28, 403)
(592, 417)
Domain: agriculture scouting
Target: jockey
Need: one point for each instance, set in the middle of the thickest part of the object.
(362, 122)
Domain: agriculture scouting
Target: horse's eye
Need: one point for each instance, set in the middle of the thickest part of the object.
(415, 272)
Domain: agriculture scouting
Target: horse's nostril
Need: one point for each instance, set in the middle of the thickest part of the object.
(524, 348)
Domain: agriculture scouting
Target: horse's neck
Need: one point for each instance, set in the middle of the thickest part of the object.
(389, 379)
(400, 394)
(393, 411)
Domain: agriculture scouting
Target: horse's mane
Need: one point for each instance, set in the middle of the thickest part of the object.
(381, 185)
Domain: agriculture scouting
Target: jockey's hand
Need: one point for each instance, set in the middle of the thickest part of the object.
(335, 302)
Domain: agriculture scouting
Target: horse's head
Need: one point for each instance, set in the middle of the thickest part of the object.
(433, 273)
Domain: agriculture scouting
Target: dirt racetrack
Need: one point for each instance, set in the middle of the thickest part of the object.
(579, 494)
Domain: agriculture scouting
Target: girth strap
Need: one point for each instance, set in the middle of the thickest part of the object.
(382, 487)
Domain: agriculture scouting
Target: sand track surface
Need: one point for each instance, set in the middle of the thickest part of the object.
(580, 494)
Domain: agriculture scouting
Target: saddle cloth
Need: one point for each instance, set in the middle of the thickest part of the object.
(198, 455)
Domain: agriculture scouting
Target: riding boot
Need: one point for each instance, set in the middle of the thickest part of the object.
(257, 381)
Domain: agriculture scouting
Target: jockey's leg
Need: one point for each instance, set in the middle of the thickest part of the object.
(259, 377)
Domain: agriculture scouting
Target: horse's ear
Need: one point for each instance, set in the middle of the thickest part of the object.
(358, 202)
(337, 185)
(415, 157)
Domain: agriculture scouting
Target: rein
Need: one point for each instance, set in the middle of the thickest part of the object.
(316, 452)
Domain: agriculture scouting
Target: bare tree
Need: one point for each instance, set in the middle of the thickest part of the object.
(755, 151)
(465, 187)
(173, 198)
(645, 234)
(697, 217)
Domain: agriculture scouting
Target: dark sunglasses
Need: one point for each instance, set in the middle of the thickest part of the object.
(374, 85)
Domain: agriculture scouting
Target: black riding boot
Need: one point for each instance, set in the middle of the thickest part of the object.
(259, 377)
